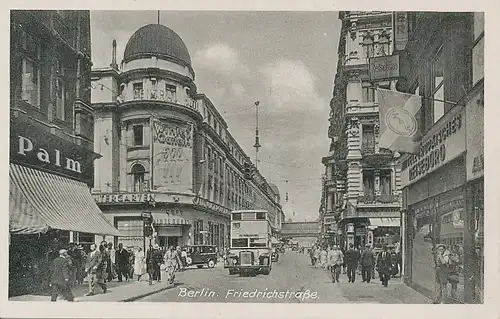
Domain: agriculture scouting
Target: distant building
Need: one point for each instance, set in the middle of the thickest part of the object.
(361, 197)
(166, 149)
(51, 144)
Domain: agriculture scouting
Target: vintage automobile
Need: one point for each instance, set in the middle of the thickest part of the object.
(201, 255)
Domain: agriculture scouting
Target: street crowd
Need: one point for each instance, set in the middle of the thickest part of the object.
(354, 261)
(103, 264)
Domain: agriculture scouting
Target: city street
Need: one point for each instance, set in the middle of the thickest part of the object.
(291, 274)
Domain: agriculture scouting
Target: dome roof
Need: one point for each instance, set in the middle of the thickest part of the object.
(156, 40)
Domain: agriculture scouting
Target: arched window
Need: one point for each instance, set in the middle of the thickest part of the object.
(138, 173)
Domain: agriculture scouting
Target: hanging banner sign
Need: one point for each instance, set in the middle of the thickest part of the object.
(172, 157)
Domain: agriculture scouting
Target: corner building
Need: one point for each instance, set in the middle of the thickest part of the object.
(166, 149)
(51, 163)
(362, 186)
(443, 186)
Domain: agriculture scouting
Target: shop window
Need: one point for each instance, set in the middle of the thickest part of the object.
(438, 85)
(132, 231)
(138, 173)
(138, 135)
(368, 183)
(171, 91)
(368, 143)
(386, 183)
(478, 48)
(138, 91)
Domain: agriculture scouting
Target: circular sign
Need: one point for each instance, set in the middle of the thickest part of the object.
(401, 122)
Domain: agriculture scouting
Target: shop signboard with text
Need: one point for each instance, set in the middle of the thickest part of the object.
(172, 155)
(33, 147)
(475, 138)
(441, 145)
(384, 67)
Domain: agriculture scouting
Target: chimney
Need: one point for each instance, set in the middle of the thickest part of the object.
(113, 58)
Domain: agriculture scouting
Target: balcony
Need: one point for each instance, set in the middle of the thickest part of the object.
(355, 107)
(373, 158)
(379, 199)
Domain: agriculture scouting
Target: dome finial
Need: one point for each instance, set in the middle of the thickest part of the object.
(113, 57)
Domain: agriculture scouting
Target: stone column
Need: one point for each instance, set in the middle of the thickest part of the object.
(377, 182)
(376, 127)
(393, 179)
(123, 157)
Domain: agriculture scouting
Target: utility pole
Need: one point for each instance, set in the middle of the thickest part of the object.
(158, 16)
(257, 144)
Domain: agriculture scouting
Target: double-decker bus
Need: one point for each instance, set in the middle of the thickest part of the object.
(250, 247)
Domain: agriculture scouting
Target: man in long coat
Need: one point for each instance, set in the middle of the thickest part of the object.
(351, 261)
(384, 264)
(61, 277)
(122, 262)
(367, 262)
(95, 267)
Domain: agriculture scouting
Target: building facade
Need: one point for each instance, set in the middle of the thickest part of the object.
(51, 144)
(362, 184)
(443, 187)
(166, 149)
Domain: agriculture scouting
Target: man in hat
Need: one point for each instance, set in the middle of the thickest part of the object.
(367, 262)
(61, 277)
(441, 261)
(384, 264)
(155, 259)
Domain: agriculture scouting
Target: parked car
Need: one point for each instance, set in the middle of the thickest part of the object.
(200, 255)
(275, 255)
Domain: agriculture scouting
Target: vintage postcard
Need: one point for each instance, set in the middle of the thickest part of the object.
(245, 159)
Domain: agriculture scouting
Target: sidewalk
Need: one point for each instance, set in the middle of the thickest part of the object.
(117, 292)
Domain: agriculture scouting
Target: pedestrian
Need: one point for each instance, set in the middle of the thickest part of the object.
(172, 262)
(394, 262)
(95, 267)
(351, 261)
(335, 260)
(70, 256)
(122, 260)
(441, 260)
(323, 257)
(155, 261)
(384, 264)
(79, 257)
(139, 263)
(111, 270)
(344, 268)
(454, 264)
(61, 277)
(184, 257)
(131, 262)
(367, 262)
(316, 256)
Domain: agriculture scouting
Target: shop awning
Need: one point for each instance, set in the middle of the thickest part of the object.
(385, 222)
(40, 200)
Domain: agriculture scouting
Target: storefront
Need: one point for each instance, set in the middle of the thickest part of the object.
(434, 204)
(178, 219)
(50, 204)
(474, 243)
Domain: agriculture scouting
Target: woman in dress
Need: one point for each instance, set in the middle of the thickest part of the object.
(139, 264)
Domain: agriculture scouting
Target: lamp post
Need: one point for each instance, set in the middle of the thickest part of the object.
(257, 144)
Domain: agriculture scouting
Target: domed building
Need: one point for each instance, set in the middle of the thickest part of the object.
(166, 149)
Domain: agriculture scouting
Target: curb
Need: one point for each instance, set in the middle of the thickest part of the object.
(134, 298)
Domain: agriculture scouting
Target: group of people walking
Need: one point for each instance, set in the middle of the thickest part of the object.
(103, 264)
(386, 263)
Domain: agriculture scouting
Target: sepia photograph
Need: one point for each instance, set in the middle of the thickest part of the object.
(332, 157)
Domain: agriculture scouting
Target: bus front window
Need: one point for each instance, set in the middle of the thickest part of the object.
(239, 243)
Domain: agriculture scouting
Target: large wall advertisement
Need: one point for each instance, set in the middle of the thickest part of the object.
(172, 156)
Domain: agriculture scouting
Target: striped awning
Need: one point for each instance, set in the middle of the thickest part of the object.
(385, 222)
(40, 200)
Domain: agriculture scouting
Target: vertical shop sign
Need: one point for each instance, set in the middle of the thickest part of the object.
(400, 30)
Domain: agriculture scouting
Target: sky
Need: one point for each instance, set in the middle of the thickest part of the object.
(284, 60)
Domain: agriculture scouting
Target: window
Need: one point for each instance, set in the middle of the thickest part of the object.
(132, 231)
(368, 143)
(368, 48)
(209, 118)
(171, 91)
(260, 215)
(216, 163)
(198, 236)
(138, 173)
(239, 242)
(385, 183)
(438, 85)
(368, 92)
(210, 187)
(59, 89)
(138, 135)
(368, 183)
(478, 48)
(31, 70)
(258, 242)
(210, 233)
(153, 95)
(236, 216)
(221, 200)
(216, 192)
(138, 91)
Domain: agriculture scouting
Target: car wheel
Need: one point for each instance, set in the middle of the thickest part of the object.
(232, 271)
(211, 263)
(199, 266)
